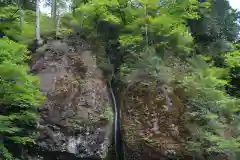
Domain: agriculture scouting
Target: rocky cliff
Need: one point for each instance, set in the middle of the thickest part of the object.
(155, 121)
(152, 121)
(76, 116)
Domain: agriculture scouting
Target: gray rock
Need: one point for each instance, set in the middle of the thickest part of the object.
(71, 116)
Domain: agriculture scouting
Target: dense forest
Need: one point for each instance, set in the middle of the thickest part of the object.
(191, 45)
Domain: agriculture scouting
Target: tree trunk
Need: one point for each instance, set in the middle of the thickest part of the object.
(20, 12)
(37, 23)
(54, 11)
(146, 25)
(58, 26)
(20, 15)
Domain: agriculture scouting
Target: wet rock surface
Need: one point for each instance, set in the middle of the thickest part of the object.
(74, 119)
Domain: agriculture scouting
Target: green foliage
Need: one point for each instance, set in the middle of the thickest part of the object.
(5, 152)
(217, 26)
(25, 4)
(108, 114)
(220, 21)
(20, 96)
(211, 108)
(233, 59)
(26, 32)
(68, 23)
(165, 20)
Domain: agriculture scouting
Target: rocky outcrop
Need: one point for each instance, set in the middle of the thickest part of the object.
(76, 117)
(152, 120)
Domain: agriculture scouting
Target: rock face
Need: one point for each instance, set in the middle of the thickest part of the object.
(152, 120)
(76, 117)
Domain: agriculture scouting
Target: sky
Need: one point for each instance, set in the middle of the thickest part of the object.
(46, 10)
(234, 3)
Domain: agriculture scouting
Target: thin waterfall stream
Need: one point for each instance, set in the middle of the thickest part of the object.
(117, 136)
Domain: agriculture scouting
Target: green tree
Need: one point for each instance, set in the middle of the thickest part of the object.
(26, 32)
(20, 96)
(217, 26)
(232, 60)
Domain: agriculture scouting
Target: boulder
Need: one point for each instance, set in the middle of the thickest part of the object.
(76, 116)
(152, 120)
